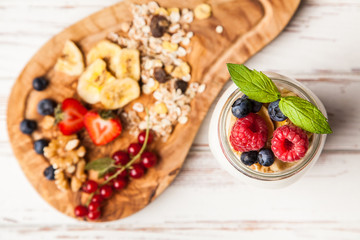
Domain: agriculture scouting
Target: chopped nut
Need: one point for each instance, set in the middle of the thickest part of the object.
(138, 107)
(181, 52)
(72, 144)
(162, 11)
(160, 108)
(153, 6)
(202, 11)
(80, 169)
(125, 26)
(219, 29)
(65, 154)
(174, 14)
(60, 180)
(75, 184)
(187, 16)
(48, 122)
(201, 88)
(169, 46)
(81, 151)
(183, 120)
(71, 169)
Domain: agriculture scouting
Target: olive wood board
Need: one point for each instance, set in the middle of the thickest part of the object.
(249, 25)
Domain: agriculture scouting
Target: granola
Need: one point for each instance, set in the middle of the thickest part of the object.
(163, 51)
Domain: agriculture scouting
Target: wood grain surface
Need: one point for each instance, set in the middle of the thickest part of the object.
(204, 202)
(261, 21)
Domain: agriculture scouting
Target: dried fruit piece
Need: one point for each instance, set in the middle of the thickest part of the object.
(182, 85)
(160, 75)
(128, 64)
(160, 108)
(161, 11)
(71, 60)
(106, 51)
(181, 71)
(202, 11)
(159, 25)
(169, 46)
(93, 80)
(118, 93)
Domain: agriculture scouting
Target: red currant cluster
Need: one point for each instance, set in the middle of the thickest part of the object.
(117, 179)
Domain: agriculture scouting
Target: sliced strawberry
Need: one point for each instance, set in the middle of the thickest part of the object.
(70, 116)
(102, 127)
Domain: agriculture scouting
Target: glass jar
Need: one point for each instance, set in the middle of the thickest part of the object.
(230, 161)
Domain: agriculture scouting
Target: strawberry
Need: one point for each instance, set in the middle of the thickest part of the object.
(102, 127)
(70, 116)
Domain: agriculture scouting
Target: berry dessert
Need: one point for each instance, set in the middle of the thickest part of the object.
(271, 128)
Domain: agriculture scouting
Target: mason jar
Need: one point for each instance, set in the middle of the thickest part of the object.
(230, 161)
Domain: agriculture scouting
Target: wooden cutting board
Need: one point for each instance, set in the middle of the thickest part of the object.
(249, 25)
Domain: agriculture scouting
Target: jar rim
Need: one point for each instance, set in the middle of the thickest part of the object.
(314, 150)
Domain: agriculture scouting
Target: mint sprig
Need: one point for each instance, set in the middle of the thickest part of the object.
(254, 84)
(257, 86)
(304, 114)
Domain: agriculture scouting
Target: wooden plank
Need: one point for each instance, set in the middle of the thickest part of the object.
(307, 209)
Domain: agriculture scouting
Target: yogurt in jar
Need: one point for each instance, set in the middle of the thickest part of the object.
(280, 173)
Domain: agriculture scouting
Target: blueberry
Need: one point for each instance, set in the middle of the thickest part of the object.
(241, 107)
(46, 107)
(275, 112)
(40, 83)
(256, 106)
(49, 173)
(39, 145)
(28, 126)
(249, 158)
(266, 157)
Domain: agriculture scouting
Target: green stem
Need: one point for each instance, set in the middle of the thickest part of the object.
(128, 165)
(89, 199)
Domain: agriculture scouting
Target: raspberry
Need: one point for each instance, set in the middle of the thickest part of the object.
(289, 143)
(249, 133)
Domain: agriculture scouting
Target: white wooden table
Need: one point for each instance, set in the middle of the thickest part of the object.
(320, 47)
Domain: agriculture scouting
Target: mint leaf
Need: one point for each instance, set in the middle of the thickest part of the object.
(100, 165)
(304, 114)
(254, 84)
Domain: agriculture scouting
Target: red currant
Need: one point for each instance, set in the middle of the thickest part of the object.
(94, 215)
(106, 191)
(123, 174)
(121, 158)
(134, 149)
(120, 183)
(137, 171)
(97, 198)
(148, 159)
(80, 211)
(142, 135)
(93, 206)
(108, 175)
(90, 186)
